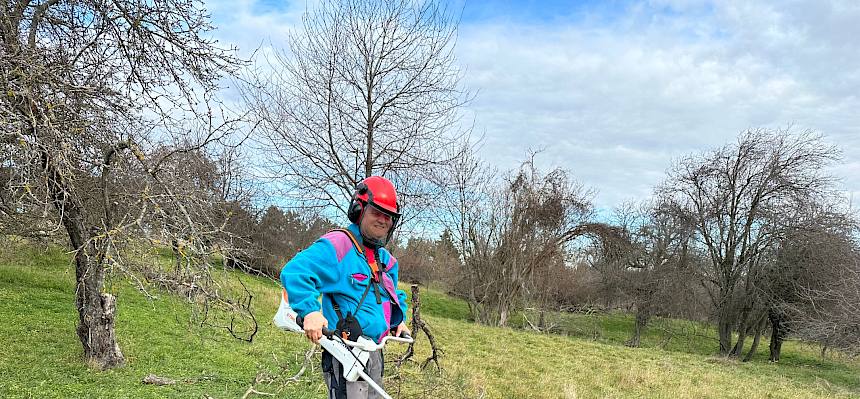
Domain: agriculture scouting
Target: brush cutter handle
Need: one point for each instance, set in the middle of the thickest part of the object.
(405, 335)
(325, 331)
(364, 345)
(369, 346)
(404, 338)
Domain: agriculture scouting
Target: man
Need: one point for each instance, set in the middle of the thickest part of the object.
(357, 278)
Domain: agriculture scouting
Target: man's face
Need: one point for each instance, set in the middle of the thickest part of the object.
(375, 223)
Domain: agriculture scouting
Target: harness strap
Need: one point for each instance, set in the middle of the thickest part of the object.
(351, 238)
(361, 301)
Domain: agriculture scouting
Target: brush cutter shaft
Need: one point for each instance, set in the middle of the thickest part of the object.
(352, 361)
(373, 384)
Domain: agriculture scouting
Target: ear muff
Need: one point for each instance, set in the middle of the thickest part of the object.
(354, 211)
(357, 203)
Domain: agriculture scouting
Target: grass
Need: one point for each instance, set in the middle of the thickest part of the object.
(589, 360)
(40, 355)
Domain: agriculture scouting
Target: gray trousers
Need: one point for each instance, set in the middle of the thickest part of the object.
(340, 388)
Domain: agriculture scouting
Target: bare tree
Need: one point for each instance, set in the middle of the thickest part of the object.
(653, 264)
(528, 220)
(741, 198)
(812, 283)
(91, 89)
(279, 235)
(830, 314)
(368, 87)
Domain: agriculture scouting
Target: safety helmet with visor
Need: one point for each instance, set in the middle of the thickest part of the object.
(379, 193)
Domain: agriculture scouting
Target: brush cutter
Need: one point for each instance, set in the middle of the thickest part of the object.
(352, 355)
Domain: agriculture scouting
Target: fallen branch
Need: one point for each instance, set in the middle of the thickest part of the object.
(252, 391)
(538, 328)
(156, 380)
(308, 355)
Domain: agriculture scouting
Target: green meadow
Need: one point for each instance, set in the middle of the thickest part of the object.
(40, 355)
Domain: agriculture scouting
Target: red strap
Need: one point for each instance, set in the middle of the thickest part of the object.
(374, 267)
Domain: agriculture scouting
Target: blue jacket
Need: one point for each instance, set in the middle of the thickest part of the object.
(333, 267)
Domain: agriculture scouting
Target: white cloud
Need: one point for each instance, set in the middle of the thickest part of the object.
(616, 103)
(249, 25)
(614, 98)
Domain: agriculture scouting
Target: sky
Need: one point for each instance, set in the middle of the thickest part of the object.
(615, 91)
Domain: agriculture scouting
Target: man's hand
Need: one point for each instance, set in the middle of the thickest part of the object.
(313, 324)
(402, 328)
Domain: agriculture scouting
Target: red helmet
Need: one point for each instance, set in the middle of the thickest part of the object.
(378, 192)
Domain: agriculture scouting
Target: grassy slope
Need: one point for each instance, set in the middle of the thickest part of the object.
(40, 354)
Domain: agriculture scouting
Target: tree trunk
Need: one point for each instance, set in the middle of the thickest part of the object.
(177, 256)
(757, 339)
(775, 345)
(368, 160)
(96, 310)
(739, 345)
(777, 335)
(743, 331)
(542, 320)
(96, 315)
(724, 325)
(503, 316)
(642, 317)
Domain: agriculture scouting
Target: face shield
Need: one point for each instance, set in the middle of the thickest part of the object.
(377, 216)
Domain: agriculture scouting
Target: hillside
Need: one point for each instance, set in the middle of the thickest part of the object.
(40, 354)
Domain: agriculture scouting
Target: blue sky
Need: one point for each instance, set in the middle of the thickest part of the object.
(614, 91)
(591, 14)
(538, 12)
(531, 11)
